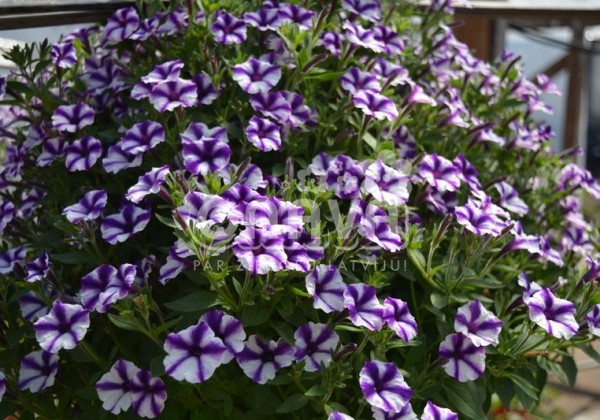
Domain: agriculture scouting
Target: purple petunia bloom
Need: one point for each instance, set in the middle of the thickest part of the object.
(384, 386)
(375, 105)
(386, 184)
(7, 212)
(296, 14)
(64, 55)
(198, 131)
(206, 155)
(193, 354)
(260, 361)
(345, 175)
(466, 361)
(121, 25)
(205, 89)
(171, 94)
(256, 76)
(336, 415)
(121, 226)
(264, 134)
(204, 210)
(509, 199)
(467, 172)
(83, 154)
(106, 285)
(477, 323)
(552, 314)
(72, 118)
(440, 173)
(10, 258)
(149, 183)
(90, 207)
(2, 385)
(273, 215)
(116, 160)
(142, 137)
(169, 70)
(373, 224)
(332, 41)
(272, 104)
(259, 251)
(391, 41)
(148, 394)
(64, 327)
(397, 316)
(229, 329)
(390, 73)
(227, 29)
(264, 19)
(433, 412)
(176, 262)
(364, 307)
(593, 320)
(52, 149)
(38, 269)
(355, 80)
(362, 37)
(366, 9)
(326, 287)
(38, 370)
(32, 307)
(114, 387)
(314, 345)
(406, 413)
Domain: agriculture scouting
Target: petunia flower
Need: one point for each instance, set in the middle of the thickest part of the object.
(397, 316)
(296, 253)
(296, 14)
(326, 287)
(552, 314)
(261, 360)
(149, 183)
(72, 118)
(364, 307)
(197, 131)
(314, 345)
(31, 200)
(121, 25)
(52, 149)
(355, 80)
(336, 415)
(142, 137)
(38, 370)
(391, 40)
(205, 89)
(406, 413)
(273, 105)
(373, 224)
(509, 199)
(362, 37)
(466, 361)
(38, 269)
(64, 327)
(345, 175)
(121, 226)
(83, 154)
(148, 394)
(263, 134)
(386, 184)
(264, 19)
(433, 412)
(32, 307)
(64, 55)
(7, 212)
(477, 323)
(2, 385)
(204, 210)
(366, 9)
(228, 29)
(169, 70)
(116, 160)
(206, 155)
(467, 172)
(476, 220)
(439, 172)
(106, 285)
(332, 41)
(593, 320)
(90, 207)
(10, 258)
(391, 74)
(375, 105)
(194, 353)
(171, 94)
(174, 22)
(274, 215)
(384, 386)
(229, 329)
(114, 387)
(259, 251)
(300, 115)
(256, 76)
(177, 261)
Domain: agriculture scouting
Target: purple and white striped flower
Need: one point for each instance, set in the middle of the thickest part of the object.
(64, 327)
(363, 306)
(433, 412)
(260, 361)
(198, 131)
(204, 210)
(391, 40)
(72, 118)
(326, 287)
(375, 105)
(509, 199)
(171, 94)
(264, 19)
(477, 220)
(345, 175)
(355, 80)
(2, 385)
(90, 207)
(227, 29)
(274, 215)
(554, 315)
(332, 41)
(315, 344)
(362, 37)
(264, 134)
(259, 251)
(466, 361)
(366, 9)
(336, 415)
(142, 137)
(256, 76)
(384, 386)
(10, 258)
(38, 370)
(397, 316)
(148, 394)
(390, 73)
(205, 89)
(105, 286)
(7, 212)
(208, 155)
(63, 54)
(477, 323)
(229, 329)
(193, 354)
(593, 320)
(116, 160)
(149, 183)
(386, 184)
(301, 115)
(52, 149)
(121, 25)
(467, 172)
(407, 413)
(440, 173)
(32, 307)
(169, 70)
(273, 105)
(114, 387)
(128, 221)
(83, 154)
(38, 269)
(176, 262)
(296, 14)
(373, 224)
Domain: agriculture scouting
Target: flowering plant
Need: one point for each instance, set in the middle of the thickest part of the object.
(330, 209)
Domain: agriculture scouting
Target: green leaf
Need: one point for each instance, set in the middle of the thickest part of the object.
(125, 323)
(466, 398)
(72, 257)
(505, 390)
(255, 315)
(193, 302)
(570, 368)
(293, 403)
(590, 351)
(316, 391)
(438, 300)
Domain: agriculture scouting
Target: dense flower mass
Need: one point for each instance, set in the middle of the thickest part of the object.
(304, 208)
